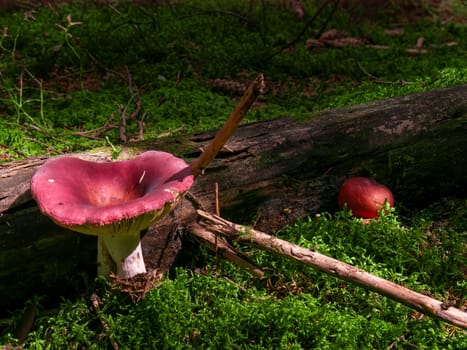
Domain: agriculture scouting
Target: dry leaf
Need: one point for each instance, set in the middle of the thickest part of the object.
(419, 43)
(342, 42)
(231, 86)
(332, 34)
(416, 50)
(313, 43)
(394, 32)
(379, 47)
(298, 8)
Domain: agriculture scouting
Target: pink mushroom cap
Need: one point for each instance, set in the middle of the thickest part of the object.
(98, 198)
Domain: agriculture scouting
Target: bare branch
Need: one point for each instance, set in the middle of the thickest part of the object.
(334, 267)
(222, 247)
(253, 91)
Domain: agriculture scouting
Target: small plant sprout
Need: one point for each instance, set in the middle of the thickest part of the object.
(115, 151)
(68, 35)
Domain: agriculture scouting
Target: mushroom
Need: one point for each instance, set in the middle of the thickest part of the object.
(114, 201)
(364, 197)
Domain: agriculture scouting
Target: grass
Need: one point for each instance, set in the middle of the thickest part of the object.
(68, 74)
(295, 307)
(65, 73)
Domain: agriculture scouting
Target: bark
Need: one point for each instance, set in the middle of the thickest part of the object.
(268, 174)
(334, 267)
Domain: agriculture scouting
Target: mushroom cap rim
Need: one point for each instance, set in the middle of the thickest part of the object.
(62, 187)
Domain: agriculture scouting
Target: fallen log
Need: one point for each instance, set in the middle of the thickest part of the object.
(269, 173)
(333, 267)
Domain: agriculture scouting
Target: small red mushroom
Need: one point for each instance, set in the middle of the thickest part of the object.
(112, 200)
(364, 197)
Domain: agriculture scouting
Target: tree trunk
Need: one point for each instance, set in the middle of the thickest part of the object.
(269, 173)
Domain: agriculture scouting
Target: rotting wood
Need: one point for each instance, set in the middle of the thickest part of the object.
(269, 173)
(334, 267)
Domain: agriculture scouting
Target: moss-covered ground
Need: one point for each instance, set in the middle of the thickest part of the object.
(70, 73)
(209, 304)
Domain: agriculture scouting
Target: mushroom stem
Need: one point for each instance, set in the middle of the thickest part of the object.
(105, 263)
(125, 253)
(241, 109)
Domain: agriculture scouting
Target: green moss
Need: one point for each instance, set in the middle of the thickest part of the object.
(84, 64)
(75, 78)
(295, 306)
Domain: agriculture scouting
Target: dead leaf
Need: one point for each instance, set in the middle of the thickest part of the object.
(418, 48)
(310, 43)
(379, 47)
(298, 8)
(342, 42)
(332, 34)
(394, 32)
(419, 43)
(416, 51)
(231, 86)
(336, 38)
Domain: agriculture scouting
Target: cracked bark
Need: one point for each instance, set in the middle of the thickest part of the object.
(268, 173)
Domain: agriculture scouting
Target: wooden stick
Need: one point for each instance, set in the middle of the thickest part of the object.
(253, 91)
(26, 323)
(96, 306)
(339, 269)
(218, 213)
(207, 238)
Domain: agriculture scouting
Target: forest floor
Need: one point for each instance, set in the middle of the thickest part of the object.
(76, 75)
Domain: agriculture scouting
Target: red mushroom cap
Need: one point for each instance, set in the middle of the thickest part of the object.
(85, 196)
(364, 196)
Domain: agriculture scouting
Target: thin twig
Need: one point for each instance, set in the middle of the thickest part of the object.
(379, 80)
(133, 116)
(307, 25)
(141, 124)
(216, 193)
(18, 152)
(207, 238)
(328, 18)
(26, 324)
(122, 112)
(43, 144)
(95, 302)
(253, 91)
(95, 133)
(194, 200)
